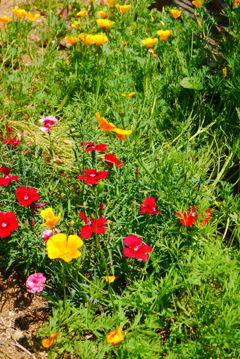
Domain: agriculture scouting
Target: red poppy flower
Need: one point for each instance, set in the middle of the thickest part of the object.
(92, 176)
(149, 206)
(136, 250)
(12, 141)
(110, 160)
(7, 179)
(91, 147)
(26, 195)
(8, 223)
(188, 218)
(93, 226)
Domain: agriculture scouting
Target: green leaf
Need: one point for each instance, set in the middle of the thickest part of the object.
(191, 83)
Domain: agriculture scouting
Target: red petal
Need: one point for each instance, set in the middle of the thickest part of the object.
(145, 248)
(86, 232)
(132, 241)
(83, 216)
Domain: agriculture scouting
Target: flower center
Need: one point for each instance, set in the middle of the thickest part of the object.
(4, 224)
(92, 175)
(136, 248)
(25, 197)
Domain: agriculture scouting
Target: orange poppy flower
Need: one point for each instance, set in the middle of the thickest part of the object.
(122, 8)
(103, 14)
(175, 13)
(71, 39)
(104, 124)
(100, 39)
(116, 336)
(5, 19)
(105, 23)
(32, 17)
(86, 39)
(236, 3)
(46, 343)
(19, 12)
(164, 34)
(149, 42)
(198, 3)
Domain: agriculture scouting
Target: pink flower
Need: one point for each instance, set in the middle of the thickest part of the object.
(136, 250)
(149, 206)
(91, 147)
(92, 176)
(48, 233)
(48, 122)
(93, 226)
(12, 141)
(7, 179)
(35, 283)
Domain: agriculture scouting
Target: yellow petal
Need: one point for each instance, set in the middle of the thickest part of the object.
(122, 132)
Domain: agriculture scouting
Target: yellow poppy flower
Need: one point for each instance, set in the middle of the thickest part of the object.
(115, 337)
(105, 23)
(100, 39)
(103, 14)
(86, 39)
(32, 17)
(19, 12)
(164, 34)
(51, 220)
(110, 278)
(198, 3)
(104, 124)
(46, 343)
(58, 246)
(175, 13)
(5, 19)
(82, 13)
(122, 8)
(71, 39)
(149, 42)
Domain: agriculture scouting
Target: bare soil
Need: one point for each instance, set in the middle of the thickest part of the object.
(21, 315)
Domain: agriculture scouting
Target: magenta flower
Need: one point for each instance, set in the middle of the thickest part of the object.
(35, 283)
(149, 206)
(93, 226)
(7, 179)
(92, 176)
(136, 250)
(91, 147)
(48, 122)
